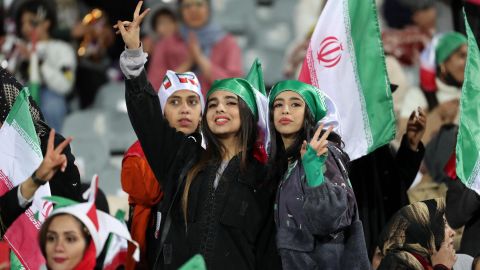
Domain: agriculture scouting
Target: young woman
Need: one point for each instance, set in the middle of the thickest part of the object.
(182, 105)
(66, 243)
(76, 234)
(315, 210)
(215, 200)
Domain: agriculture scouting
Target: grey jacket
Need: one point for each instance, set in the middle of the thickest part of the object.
(318, 227)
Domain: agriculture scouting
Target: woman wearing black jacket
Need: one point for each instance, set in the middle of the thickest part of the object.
(15, 201)
(215, 199)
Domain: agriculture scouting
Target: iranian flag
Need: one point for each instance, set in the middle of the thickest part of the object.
(468, 138)
(345, 60)
(20, 155)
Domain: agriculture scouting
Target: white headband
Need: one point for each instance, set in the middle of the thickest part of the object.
(173, 82)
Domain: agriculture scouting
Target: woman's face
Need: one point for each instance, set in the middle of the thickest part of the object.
(65, 243)
(455, 64)
(223, 114)
(195, 13)
(288, 113)
(183, 111)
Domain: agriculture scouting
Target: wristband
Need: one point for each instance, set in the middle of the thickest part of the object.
(38, 181)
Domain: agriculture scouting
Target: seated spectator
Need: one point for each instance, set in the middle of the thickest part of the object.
(95, 38)
(201, 46)
(418, 237)
(35, 21)
(442, 103)
(164, 24)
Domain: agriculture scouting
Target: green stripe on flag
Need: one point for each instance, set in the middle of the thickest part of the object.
(372, 72)
(20, 119)
(468, 139)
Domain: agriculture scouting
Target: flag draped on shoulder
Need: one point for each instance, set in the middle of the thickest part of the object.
(468, 138)
(20, 155)
(346, 60)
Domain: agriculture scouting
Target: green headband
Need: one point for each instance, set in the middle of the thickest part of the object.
(448, 44)
(310, 94)
(239, 87)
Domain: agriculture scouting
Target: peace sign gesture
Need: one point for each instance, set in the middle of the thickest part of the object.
(130, 31)
(53, 159)
(318, 145)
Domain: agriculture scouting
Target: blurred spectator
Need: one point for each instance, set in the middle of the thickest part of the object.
(35, 22)
(69, 14)
(95, 37)
(442, 103)
(164, 24)
(295, 57)
(412, 24)
(201, 46)
(418, 237)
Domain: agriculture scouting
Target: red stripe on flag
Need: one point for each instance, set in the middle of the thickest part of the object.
(427, 80)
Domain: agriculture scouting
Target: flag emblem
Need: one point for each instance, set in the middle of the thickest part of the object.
(330, 52)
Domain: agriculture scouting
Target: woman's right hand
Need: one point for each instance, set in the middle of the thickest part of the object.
(130, 31)
(53, 160)
(445, 256)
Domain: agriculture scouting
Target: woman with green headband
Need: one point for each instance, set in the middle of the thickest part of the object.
(315, 209)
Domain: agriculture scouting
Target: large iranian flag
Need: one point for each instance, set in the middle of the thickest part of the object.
(20, 155)
(345, 60)
(468, 139)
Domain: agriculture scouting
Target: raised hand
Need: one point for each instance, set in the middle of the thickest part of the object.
(54, 160)
(318, 145)
(130, 31)
(416, 126)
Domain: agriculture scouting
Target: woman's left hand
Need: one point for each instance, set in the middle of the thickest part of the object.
(318, 145)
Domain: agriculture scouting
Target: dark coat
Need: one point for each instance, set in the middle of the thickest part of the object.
(318, 227)
(380, 181)
(231, 226)
(65, 184)
(463, 209)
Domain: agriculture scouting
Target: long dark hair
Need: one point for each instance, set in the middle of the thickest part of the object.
(215, 150)
(279, 156)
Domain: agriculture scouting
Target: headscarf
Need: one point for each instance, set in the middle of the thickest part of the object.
(173, 82)
(413, 233)
(99, 224)
(208, 35)
(312, 96)
(447, 45)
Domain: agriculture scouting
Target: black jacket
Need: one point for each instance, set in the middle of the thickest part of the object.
(10, 210)
(65, 184)
(463, 209)
(380, 181)
(231, 226)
